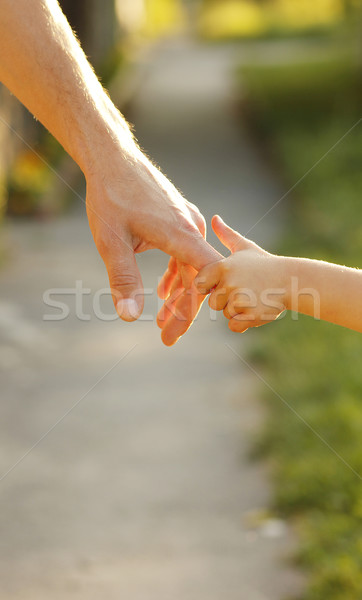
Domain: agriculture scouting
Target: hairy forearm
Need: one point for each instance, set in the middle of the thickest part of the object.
(43, 65)
(324, 290)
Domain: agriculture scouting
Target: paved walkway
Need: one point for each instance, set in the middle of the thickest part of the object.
(143, 490)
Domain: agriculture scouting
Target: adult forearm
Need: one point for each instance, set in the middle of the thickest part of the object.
(44, 66)
(324, 290)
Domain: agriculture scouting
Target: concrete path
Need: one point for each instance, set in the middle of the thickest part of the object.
(142, 488)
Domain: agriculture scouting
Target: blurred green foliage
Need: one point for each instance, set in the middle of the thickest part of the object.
(221, 19)
(163, 17)
(302, 112)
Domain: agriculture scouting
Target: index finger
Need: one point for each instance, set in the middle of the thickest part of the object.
(191, 249)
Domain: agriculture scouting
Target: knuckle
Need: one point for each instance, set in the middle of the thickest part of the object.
(122, 277)
(190, 228)
(227, 313)
(216, 300)
(106, 240)
(200, 223)
(226, 267)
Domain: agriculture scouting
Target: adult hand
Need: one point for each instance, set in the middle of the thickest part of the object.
(133, 207)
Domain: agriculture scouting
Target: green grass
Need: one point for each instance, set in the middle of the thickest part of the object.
(300, 111)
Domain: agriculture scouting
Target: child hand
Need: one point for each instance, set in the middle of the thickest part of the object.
(248, 285)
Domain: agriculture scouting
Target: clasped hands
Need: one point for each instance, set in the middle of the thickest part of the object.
(132, 207)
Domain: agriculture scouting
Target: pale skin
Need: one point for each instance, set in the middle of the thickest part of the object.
(131, 205)
(253, 287)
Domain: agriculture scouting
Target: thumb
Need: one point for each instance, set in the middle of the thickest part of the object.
(126, 283)
(227, 236)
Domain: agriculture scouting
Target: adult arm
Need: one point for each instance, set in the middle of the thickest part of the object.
(131, 205)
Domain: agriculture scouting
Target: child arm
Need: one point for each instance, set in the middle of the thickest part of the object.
(253, 287)
(335, 291)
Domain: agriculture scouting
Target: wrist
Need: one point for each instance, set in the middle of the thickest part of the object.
(278, 273)
(105, 140)
(289, 267)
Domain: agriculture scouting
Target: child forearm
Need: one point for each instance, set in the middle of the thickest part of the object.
(323, 290)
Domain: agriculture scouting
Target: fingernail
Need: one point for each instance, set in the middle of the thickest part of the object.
(127, 309)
